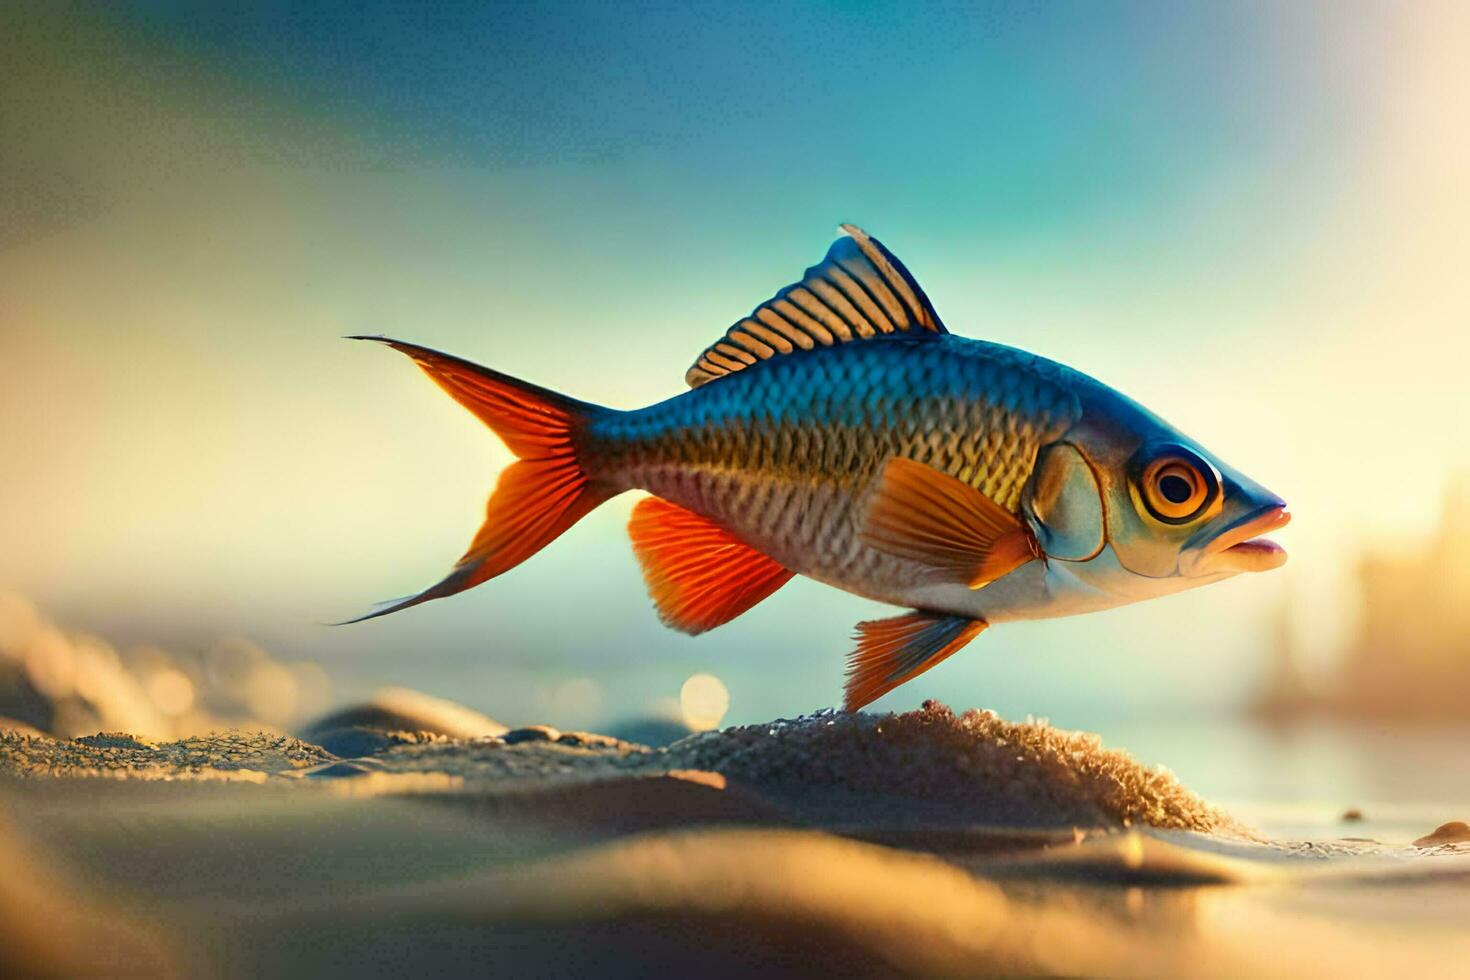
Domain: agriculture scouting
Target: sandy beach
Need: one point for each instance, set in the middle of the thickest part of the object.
(925, 843)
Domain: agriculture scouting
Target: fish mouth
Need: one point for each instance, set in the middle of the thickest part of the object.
(1240, 547)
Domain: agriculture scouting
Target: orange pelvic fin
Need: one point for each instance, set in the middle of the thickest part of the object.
(537, 497)
(893, 651)
(927, 516)
(698, 573)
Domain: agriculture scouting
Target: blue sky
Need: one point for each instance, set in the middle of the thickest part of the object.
(1221, 209)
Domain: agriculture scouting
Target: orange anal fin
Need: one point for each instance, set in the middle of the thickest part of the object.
(919, 513)
(894, 651)
(699, 574)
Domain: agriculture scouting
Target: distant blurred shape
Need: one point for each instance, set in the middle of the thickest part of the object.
(72, 718)
(664, 724)
(49, 664)
(64, 684)
(18, 623)
(145, 659)
(1283, 693)
(171, 690)
(703, 701)
(229, 665)
(1454, 832)
(96, 663)
(350, 741)
(271, 694)
(1411, 657)
(19, 727)
(313, 688)
(358, 730)
(655, 731)
(574, 703)
(72, 684)
(22, 702)
(1352, 815)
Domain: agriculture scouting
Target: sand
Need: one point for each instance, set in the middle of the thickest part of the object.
(928, 768)
(928, 843)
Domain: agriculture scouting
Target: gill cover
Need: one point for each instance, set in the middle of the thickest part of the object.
(1064, 503)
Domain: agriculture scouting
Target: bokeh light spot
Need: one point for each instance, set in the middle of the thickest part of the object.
(703, 701)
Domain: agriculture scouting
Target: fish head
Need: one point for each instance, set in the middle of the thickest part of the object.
(1142, 508)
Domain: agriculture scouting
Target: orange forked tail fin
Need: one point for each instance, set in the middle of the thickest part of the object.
(536, 498)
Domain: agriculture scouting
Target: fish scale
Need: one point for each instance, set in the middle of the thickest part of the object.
(785, 452)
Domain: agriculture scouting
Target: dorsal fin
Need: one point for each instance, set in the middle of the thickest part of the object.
(859, 290)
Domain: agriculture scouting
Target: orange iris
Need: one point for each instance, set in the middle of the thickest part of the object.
(1174, 488)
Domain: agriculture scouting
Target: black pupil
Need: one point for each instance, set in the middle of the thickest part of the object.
(1175, 489)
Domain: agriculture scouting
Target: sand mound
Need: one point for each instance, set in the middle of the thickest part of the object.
(975, 767)
(929, 768)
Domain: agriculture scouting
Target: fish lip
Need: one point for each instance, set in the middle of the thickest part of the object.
(1270, 518)
(1240, 547)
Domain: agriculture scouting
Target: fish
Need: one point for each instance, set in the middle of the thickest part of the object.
(842, 433)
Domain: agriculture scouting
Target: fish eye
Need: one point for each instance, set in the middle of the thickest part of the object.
(1175, 486)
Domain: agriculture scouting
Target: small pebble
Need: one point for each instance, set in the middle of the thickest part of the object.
(1454, 832)
(531, 733)
(588, 740)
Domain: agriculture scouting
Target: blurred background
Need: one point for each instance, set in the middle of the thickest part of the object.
(1253, 218)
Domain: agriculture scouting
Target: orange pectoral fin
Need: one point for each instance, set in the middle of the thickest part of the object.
(919, 513)
(699, 574)
(894, 651)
